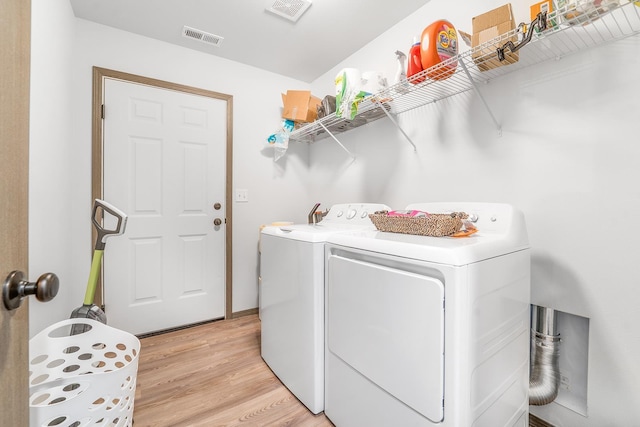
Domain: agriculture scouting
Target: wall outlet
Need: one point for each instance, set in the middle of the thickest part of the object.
(242, 195)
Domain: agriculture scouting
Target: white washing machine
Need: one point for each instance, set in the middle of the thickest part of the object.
(292, 298)
(425, 331)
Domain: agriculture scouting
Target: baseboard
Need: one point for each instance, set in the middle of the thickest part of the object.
(243, 313)
(177, 328)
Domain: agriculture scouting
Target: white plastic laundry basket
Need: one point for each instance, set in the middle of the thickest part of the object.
(88, 379)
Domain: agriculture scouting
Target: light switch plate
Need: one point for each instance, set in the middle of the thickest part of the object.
(242, 195)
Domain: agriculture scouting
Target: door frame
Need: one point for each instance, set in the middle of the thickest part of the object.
(15, 57)
(99, 76)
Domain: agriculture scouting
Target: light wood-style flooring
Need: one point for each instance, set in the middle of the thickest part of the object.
(212, 375)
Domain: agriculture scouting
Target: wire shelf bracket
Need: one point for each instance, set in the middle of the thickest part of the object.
(565, 31)
(336, 140)
(484, 102)
(407, 137)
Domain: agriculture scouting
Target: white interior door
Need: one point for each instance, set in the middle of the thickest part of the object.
(164, 165)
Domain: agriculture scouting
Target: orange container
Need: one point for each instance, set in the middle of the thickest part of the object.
(438, 44)
(414, 65)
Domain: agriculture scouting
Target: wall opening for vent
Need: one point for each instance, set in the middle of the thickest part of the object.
(289, 9)
(202, 36)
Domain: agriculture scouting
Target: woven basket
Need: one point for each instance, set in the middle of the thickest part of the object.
(437, 225)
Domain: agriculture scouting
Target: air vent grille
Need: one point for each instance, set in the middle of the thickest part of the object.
(290, 9)
(202, 36)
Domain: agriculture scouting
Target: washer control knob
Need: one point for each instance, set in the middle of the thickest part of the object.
(339, 214)
(351, 214)
(473, 217)
(364, 214)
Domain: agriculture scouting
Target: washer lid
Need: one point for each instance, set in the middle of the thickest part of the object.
(309, 232)
(341, 218)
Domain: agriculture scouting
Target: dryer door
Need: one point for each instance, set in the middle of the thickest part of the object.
(388, 324)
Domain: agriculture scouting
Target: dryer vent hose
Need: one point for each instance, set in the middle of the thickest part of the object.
(544, 377)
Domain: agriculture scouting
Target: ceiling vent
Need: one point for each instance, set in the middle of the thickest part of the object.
(289, 9)
(202, 36)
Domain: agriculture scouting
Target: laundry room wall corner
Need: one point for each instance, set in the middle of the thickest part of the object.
(555, 159)
(52, 160)
(65, 61)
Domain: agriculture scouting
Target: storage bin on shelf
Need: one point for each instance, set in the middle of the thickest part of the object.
(436, 225)
(84, 379)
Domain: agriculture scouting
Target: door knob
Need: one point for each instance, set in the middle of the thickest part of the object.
(15, 288)
(217, 221)
(217, 206)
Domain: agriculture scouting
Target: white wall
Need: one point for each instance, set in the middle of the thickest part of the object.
(64, 51)
(276, 190)
(51, 163)
(568, 157)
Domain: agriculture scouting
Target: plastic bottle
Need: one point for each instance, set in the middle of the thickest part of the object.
(414, 65)
(400, 78)
(439, 43)
(401, 73)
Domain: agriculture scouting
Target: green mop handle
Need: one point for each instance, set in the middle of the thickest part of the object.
(93, 277)
(103, 234)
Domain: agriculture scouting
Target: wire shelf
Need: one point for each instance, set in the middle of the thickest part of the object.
(573, 28)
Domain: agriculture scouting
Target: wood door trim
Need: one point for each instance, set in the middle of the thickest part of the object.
(99, 76)
(14, 200)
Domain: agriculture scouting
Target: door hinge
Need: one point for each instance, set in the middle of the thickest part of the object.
(103, 308)
(102, 111)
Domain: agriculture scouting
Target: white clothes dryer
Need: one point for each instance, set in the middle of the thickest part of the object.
(425, 331)
(292, 298)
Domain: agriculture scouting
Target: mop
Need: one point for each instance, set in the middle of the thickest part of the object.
(89, 310)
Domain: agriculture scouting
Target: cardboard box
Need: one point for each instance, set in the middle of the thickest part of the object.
(300, 106)
(487, 28)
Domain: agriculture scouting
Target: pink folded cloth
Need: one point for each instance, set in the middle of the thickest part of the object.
(409, 214)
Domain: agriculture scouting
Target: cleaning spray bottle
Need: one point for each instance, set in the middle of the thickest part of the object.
(415, 62)
(401, 74)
